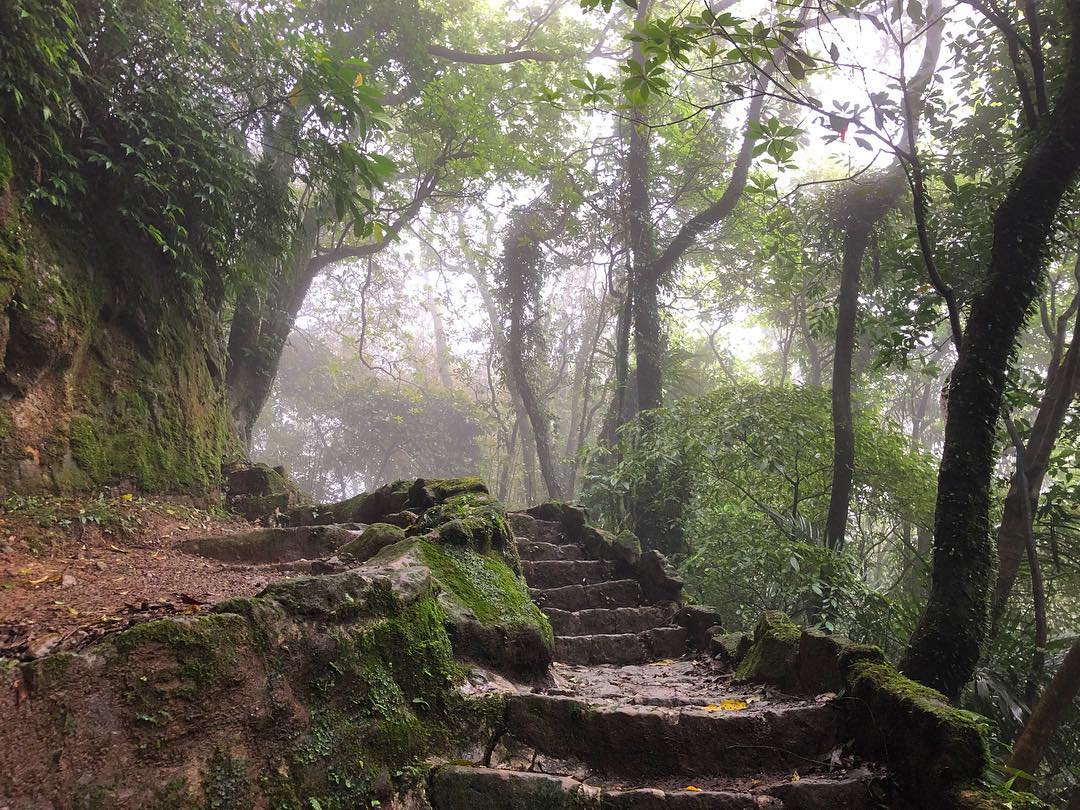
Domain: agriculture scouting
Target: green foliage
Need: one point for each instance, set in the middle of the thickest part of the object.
(38, 41)
(751, 467)
(150, 106)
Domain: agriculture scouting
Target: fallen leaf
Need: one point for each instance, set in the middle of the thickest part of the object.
(127, 496)
(663, 662)
(46, 578)
(119, 550)
(794, 776)
(693, 789)
(729, 705)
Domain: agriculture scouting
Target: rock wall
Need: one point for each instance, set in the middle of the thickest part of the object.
(106, 375)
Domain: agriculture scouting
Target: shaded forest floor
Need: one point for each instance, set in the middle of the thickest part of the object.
(72, 570)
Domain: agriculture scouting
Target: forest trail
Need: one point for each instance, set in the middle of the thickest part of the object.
(636, 720)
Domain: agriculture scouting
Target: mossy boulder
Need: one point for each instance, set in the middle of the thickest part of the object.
(470, 520)
(934, 747)
(492, 619)
(260, 492)
(371, 541)
(417, 495)
(730, 648)
(771, 658)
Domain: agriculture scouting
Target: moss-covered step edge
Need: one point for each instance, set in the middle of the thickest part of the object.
(935, 749)
(333, 688)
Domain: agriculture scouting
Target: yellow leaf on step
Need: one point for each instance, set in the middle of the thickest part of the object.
(794, 776)
(729, 705)
(693, 789)
(664, 662)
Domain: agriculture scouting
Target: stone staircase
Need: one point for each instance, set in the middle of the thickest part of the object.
(598, 611)
(630, 721)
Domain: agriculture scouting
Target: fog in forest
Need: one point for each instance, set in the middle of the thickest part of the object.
(788, 293)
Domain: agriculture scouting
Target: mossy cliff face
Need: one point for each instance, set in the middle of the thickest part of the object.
(325, 692)
(103, 376)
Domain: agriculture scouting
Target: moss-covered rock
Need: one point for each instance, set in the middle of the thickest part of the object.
(106, 377)
(261, 492)
(471, 520)
(819, 662)
(374, 539)
(933, 746)
(771, 658)
(493, 620)
(730, 648)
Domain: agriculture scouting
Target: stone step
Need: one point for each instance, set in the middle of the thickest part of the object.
(599, 621)
(611, 594)
(558, 573)
(648, 741)
(458, 787)
(539, 531)
(621, 648)
(530, 550)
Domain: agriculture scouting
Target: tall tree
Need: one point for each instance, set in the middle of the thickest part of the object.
(863, 209)
(947, 643)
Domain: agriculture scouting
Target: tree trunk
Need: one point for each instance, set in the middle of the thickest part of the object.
(1052, 706)
(528, 458)
(644, 284)
(581, 388)
(618, 413)
(866, 206)
(947, 643)
(1061, 387)
(521, 267)
(442, 353)
(264, 317)
(855, 241)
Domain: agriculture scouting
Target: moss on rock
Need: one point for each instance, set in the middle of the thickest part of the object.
(416, 495)
(125, 383)
(374, 539)
(934, 746)
(771, 658)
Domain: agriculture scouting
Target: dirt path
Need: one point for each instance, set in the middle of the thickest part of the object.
(72, 571)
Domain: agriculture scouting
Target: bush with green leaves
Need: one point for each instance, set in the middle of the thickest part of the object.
(746, 470)
(185, 123)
